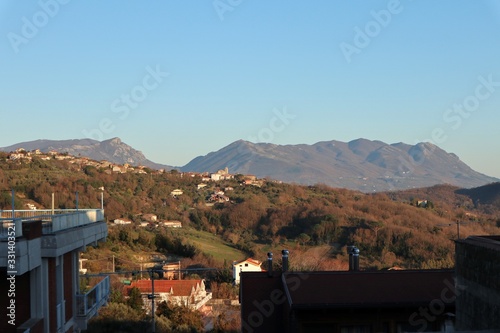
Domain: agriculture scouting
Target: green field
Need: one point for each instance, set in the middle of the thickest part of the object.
(212, 244)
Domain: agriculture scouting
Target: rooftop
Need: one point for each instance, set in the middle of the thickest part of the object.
(52, 220)
(179, 287)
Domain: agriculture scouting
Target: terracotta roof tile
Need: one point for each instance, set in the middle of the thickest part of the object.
(178, 287)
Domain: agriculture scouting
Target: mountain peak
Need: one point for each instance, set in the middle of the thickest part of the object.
(113, 150)
(360, 164)
(115, 141)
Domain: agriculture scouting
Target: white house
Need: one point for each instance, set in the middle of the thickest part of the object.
(247, 265)
(176, 192)
(122, 221)
(172, 224)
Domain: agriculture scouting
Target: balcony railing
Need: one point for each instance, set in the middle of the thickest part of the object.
(88, 303)
(52, 220)
(60, 315)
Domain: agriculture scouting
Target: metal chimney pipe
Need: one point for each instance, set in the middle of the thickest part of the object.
(285, 260)
(270, 264)
(355, 259)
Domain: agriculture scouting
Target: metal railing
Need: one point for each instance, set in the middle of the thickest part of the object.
(88, 303)
(52, 220)
(60, 315)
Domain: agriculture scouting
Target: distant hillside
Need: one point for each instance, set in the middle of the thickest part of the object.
(113, 150)
(255, 220)
(360, 164)
(484, 197)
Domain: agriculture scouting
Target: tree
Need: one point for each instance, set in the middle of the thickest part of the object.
(135, 300)
(181, 318)
(303, 238)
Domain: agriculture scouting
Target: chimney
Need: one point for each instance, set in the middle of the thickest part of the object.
(353, 258)
(285, 260)
(270, 264)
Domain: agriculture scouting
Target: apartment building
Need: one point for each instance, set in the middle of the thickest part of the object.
(39, 263)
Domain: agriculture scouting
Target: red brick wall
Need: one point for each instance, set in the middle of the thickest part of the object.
(52, 294)
(68, 285)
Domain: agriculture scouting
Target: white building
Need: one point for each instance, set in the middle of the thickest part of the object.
(247, 265)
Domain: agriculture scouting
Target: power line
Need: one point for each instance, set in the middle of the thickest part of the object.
(185, 270)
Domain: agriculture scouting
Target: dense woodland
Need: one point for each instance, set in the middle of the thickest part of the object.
(389, 228)
(315, 223)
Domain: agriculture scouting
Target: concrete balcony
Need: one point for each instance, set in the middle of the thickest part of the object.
(32, 235)
(89, 303)
(52, 220)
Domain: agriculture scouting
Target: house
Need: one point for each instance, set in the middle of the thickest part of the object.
(119, 169)
(200, 186)
(345, 301)
(216, 177)
(422, 203)
(82, 270)
(62, 157)
(40, 276)
(122, 221)
(190, 293)
(247, 265)
(176, 192)
(218, 197)
(150, 217)
(172, 271)
(31, 206)
(172, 224)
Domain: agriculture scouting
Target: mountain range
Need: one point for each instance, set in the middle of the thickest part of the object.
(112, 150)
(360, 164)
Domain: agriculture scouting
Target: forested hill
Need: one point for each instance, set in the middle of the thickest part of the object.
(390, 229)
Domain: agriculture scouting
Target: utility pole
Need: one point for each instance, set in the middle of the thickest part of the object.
(13, 202)
(153, 327)
(113, 263)
(458, 223)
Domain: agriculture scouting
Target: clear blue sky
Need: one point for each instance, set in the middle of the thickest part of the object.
(285, 72)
